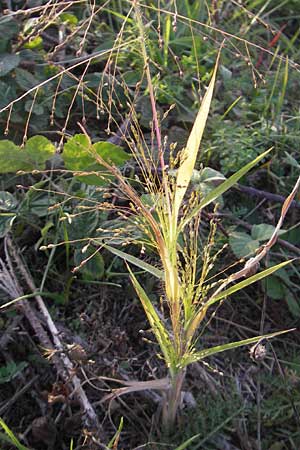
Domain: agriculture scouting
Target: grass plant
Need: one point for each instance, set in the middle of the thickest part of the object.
(168, 218)
(171, 228)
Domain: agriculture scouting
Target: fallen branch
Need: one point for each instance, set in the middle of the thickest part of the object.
(264, 194)
(51, 341)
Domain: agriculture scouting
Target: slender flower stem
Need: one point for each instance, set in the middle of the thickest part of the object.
(153, 105)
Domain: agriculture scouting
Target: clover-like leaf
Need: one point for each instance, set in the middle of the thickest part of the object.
(242, 244)
(78, 157)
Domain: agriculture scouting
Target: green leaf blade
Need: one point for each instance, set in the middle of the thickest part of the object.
(242, 284)
(223, 187)
(158, 328)
(136, 262)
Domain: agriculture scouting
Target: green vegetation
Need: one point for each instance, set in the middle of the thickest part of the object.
(149, 221)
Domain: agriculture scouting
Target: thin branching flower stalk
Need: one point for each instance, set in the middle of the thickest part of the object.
(169, 226)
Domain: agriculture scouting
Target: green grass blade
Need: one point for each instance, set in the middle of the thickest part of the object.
(136, 262)
(185, 444)
(247, 282)
(189, 154)
(222, 348)
(156, 324)
(12, 438)
(113, 443)
(225, 186)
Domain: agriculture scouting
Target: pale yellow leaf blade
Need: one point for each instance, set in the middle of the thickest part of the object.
(189, 154)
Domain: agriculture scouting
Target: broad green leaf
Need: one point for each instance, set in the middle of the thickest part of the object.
(36, 203)
(242, 244)
(77, 157)
(219, 190)
(111, 153)
(82, 225)
(189, 154)
(207, 175)
(8, 62)
(93, 268)
(156, 324)
(39, 149)
(197, 356)
(136, 261)
(8, 93)
(275, 288)
(6, 221)
(247, 282)
(75, 153)
(68, 19)
(9, 157)
(25, 79)
(293, 304)
(7, 201)
(34, 108)
(9, 27)
(34, 43)
(264, 231)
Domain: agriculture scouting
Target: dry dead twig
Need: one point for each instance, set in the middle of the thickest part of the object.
(48, 335)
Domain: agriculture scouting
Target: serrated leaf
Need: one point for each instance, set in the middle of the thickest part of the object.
(242, 244)
(8, 62)
(8, 372)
